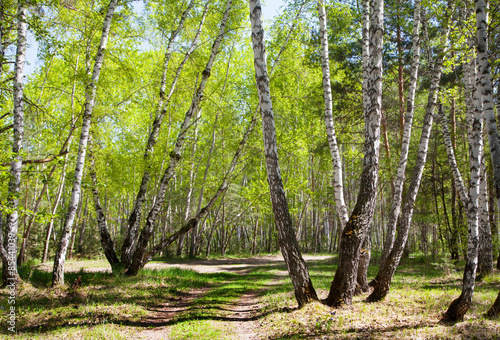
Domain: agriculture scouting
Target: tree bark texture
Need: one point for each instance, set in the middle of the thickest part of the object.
(106, 240)
(344, 282)
(58, 270)
(338, 185)
(459, 306)
(297, 268)
(10, 274)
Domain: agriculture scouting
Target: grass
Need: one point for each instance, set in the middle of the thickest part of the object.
(189, 305)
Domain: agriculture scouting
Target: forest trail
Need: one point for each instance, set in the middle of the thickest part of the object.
(242, 315)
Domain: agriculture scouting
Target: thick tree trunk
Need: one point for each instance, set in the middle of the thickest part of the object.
(405, 139)
(364, 262)
(58, 270)
(10, 274)
(297, 269)
(353, 235)
(130, 240)
(175, 155)
(494, 310)
(383, 279)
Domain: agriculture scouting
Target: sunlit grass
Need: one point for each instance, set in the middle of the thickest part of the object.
(108, 306)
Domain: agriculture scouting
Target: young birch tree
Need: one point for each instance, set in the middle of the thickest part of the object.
(58, 270)
(297, 268)
(382, 281)
(459, 306)
(175, 155)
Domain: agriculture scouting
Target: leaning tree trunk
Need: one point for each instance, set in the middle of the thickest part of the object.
(175, 155)
(386, 272)
(106, 240)
(130, 240)
(405, 142)
(459, 306)
(338, 185)
(202, 213)
(297, 268)
(10, 274)
(344, 283)
(485, 261)
(58, 270)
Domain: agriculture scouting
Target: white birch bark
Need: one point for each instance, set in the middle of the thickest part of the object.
(485, 260)
(383, 280)
(10, 274)
(58, 270)
(338, 185)
(297, 268)
(459, 306)
(405, 144)
(486, 89)
(175, 155)
(344, 282)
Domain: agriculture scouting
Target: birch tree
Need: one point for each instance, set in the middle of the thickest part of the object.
(386, 272)
(58, 269)
(405, 143)
(486, 89)
(130, 240)
(297, 268)
(10, 274)
(344, 282)
(175, 155)
(459, 306)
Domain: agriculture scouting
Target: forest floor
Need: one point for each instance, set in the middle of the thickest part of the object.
(242, 298)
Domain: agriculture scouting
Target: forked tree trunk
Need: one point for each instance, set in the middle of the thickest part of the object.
(344, 283)
(382, 282)
(175, 156)
(297, 268)
(405, 139)
(9, 267)
(134, 220)
(58, 270)
(106, 240)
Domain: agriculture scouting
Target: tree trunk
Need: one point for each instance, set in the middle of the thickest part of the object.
(202, 214)
(130, 240)
(459, 307)
(344, 283)
(405, 139)
(383, 279)
(58, 270)
(10, 274)
(106, 240)
(175, 155)
(338, 185)
(297, 269)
